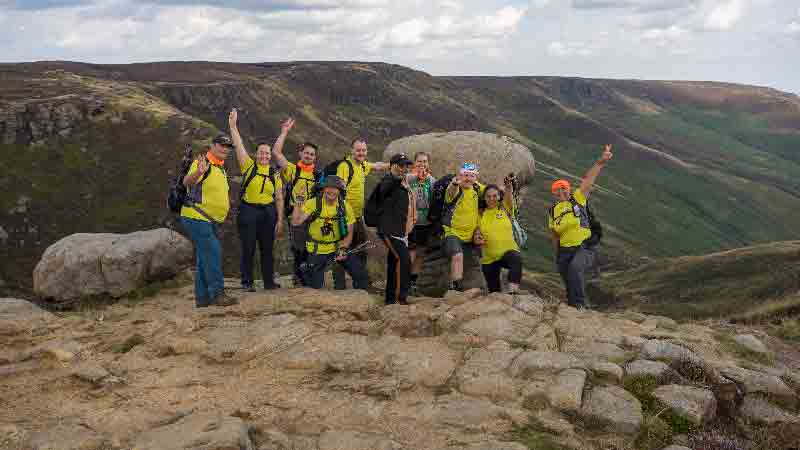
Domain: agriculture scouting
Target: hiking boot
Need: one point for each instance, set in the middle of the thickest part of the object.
(225, 299)
(248, 287)
(271, 287)
(412, 289)
(457, 285)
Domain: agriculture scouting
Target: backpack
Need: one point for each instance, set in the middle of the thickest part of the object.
(594, 225)
(372, 209)
(520, 235)
(341, 218)
(253, 174)
(178, 195)
(436, 209)
(289, 187)
(331, 169)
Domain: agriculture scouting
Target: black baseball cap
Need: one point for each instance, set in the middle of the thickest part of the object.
(223, 140)
(401, 160)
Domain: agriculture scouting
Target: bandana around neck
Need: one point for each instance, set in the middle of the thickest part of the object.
(305, 167)
(214, 160)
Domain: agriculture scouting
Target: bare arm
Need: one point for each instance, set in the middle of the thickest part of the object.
(452, 188)
(588, 180)
(345, 243)
(298, 215)
(241, 153)
(508, 196)
(279, 207)
(277, 149)
(192, 178)
(380, 166)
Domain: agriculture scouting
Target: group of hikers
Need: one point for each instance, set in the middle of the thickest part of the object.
(329, 215)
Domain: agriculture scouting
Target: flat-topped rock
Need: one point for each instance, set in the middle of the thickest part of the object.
(696, 404)
(615, 407)
(645, 367)
(21, 316)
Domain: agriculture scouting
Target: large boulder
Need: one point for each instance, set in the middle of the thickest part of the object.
(86, 264)
(496, 156)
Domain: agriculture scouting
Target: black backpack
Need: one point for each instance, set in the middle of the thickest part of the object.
(594, 224)
(289, 189)
(331, 169)
(373, 209)
(178, 195)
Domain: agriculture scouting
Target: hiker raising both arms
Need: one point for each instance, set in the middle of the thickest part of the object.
(298, 179)
(329, 234)
(421, 182)
(353, 170)
(206, 209)
(569, 219)
(260, 217)
(495, 235)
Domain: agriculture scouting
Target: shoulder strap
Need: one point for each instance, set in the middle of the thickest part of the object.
(349, 166)
(250, 176)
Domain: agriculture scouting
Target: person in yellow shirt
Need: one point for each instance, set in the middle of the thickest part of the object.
(569, 222)
(460, 219)
(206, 208)
(329, 222)
(495, 235)
(353, 171)
(260, 215)
(298, 179)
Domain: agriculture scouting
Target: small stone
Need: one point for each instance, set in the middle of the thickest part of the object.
(607, 370)
(751, 343)
(566, 393)
(91, 373)
(646, 367)
(658, 349)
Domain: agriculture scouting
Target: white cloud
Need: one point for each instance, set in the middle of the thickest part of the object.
(725, 15)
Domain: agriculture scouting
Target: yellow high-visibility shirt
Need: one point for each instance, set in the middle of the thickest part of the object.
(211, 195)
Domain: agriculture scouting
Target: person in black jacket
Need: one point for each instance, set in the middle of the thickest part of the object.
(397, 217)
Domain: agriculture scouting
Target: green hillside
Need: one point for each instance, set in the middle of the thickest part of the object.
(698, 167)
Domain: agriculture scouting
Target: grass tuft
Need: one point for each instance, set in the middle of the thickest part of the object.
(534, 436)
(128, 344)
(729, 343)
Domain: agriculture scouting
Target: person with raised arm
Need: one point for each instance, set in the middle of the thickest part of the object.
(206, 208)
(460, 220)
(299, 180)
(569, 223)
(495, 235)
(260, 217)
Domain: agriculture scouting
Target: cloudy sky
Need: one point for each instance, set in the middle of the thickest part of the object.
(746, 41)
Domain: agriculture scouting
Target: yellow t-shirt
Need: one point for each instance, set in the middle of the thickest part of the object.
(355, 190)
(211, 195)
(326, 244)
(567, 225)
(304, 185)
(498, 234)
(466, 214)
(260, 191)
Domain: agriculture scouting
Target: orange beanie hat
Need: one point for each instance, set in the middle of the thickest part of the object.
(558, 184)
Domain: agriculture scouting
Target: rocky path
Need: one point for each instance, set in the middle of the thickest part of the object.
(319, 370)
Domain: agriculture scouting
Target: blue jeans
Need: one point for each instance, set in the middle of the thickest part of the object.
(209, 281)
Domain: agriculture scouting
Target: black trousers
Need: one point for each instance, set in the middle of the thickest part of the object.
(511, 260)
(316, 265)
(573, 262)
(297, 239)
(359, 237)
(257, 226)
(398, 270)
